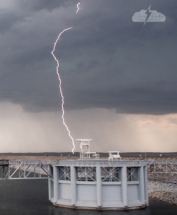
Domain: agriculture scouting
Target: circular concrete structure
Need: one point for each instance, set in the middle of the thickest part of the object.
(99, 184)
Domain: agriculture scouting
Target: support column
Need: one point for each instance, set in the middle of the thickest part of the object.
(124, 186)
(141, 184)
(55, 183)
(99, 186)
(49, 185)
(73, 185)
(49, 188)
(146, 186)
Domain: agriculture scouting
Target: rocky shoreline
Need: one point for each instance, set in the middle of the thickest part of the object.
(163, 191)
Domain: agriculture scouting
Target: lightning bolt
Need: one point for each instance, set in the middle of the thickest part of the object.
(59, 78)
(61, 92)
(148, 12)
(78, 8)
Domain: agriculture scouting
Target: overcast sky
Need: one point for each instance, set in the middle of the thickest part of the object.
(118, 76)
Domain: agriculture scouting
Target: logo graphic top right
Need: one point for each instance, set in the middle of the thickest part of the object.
(148, 16)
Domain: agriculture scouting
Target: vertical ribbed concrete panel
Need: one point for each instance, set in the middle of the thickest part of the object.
(141, 184)
(56, 184)
(146, 186)
(124, 185)
(73, 185)
(99, 186)
(49, 185)
(49, 189)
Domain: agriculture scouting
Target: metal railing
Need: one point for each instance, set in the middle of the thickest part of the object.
(162, 166)
(102, 162)
(25, 169)
(37, 169)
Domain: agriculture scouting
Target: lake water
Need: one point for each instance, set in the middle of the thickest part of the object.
(30, 197)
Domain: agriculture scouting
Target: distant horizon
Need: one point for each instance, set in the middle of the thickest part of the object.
(124, 154)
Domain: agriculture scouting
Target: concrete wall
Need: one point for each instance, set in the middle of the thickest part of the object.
(99, 194)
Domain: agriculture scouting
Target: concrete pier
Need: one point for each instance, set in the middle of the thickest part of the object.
(99, 184)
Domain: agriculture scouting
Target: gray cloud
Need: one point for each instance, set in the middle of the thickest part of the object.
(44, 132)
(106, 60)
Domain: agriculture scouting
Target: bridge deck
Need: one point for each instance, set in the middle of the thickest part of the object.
(24, 169)
(37, 169)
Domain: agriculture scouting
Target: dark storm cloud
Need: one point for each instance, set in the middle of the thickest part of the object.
(106, 60)
(34, 5)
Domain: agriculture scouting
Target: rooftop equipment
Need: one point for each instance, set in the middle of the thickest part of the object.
(114, 155)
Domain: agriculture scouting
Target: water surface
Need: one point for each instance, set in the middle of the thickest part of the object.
(30, 197)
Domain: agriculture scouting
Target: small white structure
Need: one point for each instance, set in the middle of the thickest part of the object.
(98, 184)
(85, 152)
(84, 147)
(113, 155)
